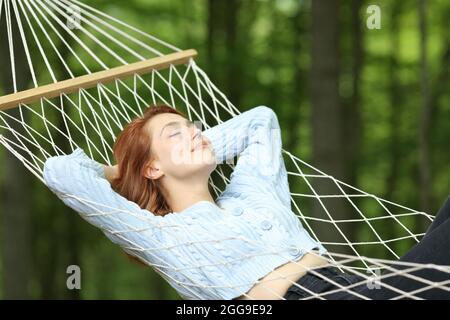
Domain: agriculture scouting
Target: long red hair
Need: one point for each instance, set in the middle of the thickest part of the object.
(132, 151)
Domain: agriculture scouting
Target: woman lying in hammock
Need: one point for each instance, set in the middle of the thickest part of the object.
(246, 244)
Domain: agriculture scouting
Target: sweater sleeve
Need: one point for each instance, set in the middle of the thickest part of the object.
(255, 137)
(80, 183)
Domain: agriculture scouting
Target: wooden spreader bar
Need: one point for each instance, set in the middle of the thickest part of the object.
(91, 80)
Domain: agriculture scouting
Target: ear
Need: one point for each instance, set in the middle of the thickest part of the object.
(152, 171)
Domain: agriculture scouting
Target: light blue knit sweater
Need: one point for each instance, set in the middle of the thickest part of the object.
(202, 251)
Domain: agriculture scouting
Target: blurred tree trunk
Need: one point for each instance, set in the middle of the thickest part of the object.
(293, 115)
(437, 104)
(440, 85)
(273, 88)
(186, 22)
(16, 192)
(224, 51)
(214, 9)
(226, 54)
(352, 123)
(326, 118)
(396, 112)
(232, 49)
(395, 99)
(352, 112)
(425, 188)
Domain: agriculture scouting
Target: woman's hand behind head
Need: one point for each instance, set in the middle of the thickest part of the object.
(111, 172)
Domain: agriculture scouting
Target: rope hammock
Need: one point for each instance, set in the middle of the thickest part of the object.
(78, 100)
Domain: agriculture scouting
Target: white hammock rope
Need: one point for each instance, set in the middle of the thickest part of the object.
(91, 118)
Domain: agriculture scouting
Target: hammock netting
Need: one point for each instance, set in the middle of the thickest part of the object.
(60, 40)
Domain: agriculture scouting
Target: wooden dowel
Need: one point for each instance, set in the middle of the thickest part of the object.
(91, 80)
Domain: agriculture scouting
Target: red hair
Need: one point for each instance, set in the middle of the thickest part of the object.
(132, 151)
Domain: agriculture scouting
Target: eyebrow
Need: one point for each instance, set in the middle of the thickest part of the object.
(174, 123)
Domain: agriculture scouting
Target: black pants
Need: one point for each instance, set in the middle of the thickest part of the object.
(433, 248)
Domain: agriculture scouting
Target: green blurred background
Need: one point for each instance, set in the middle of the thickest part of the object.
(368, 106)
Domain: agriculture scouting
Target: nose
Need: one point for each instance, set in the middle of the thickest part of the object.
(196, 137)
(196, 132)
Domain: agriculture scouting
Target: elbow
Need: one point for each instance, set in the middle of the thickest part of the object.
(265, 110)
(47, 173)
(267, 116)
(55, 170)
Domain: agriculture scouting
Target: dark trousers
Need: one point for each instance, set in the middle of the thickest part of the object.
(433, 248)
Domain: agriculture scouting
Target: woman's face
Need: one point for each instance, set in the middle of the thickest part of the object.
(178, 147)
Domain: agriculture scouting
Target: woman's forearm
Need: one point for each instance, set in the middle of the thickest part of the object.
(81, 183)
(233, 136)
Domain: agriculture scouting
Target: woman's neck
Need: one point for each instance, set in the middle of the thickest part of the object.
(182, 195)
